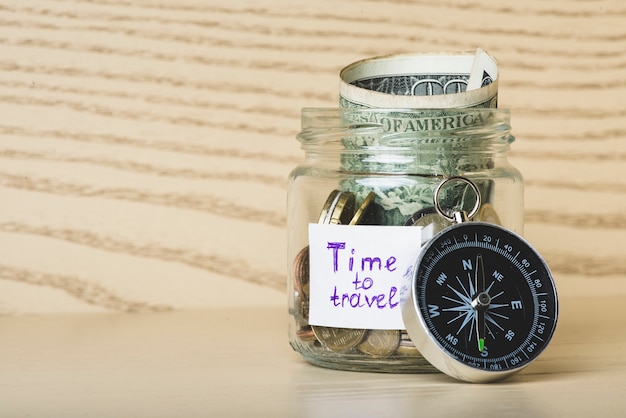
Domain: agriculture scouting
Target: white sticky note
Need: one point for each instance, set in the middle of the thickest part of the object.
(357, 274)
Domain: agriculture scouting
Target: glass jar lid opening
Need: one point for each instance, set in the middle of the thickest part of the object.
(401, 130)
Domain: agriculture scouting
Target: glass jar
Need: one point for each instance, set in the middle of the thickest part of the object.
(380, 167)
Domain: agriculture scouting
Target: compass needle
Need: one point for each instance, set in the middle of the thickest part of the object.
(481, 301)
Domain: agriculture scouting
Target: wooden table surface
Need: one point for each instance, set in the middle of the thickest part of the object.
(144, 151)
(236, 363)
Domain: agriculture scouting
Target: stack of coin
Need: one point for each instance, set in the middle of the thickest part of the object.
(301, 268)
(340, 209)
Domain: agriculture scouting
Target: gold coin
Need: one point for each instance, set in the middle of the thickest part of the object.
(407, 350)
(364, 213)
(380, 342)
(328, 206)
(339, 340)
(338, 209)
(301, 270)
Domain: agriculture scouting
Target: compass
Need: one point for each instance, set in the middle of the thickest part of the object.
(482, 303)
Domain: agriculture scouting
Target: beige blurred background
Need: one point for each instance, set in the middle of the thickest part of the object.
(145, 146)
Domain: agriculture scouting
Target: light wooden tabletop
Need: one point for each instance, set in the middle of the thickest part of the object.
(236, 363)
(144, 151)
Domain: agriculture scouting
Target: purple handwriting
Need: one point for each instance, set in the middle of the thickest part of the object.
(365, 261)
(359, 297)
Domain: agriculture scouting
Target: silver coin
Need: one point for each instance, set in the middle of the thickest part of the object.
(428, 216)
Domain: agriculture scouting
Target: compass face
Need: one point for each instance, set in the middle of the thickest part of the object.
(483, 302)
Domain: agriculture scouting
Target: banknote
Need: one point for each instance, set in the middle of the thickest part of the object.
(413, 100)
(421, 81)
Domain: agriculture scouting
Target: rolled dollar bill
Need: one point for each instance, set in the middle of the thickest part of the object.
(421, 81)
(408, 83)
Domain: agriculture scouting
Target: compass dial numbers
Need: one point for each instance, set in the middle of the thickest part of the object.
(486, 297)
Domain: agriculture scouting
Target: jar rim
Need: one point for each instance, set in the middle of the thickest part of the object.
(403, 128)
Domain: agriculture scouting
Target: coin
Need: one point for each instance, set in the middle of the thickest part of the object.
(406, 346)
(428, 216)
(365, 214)
(328, 206)
(406, 350)
(419, 215)
(338, 209)
(380, 342)
(301, 310)
(306, 334)
(301, 269)
(339, 340)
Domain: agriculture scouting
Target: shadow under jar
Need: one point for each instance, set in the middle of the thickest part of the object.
(372, 167)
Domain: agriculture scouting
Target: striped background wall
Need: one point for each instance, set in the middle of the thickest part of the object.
(144, 146)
